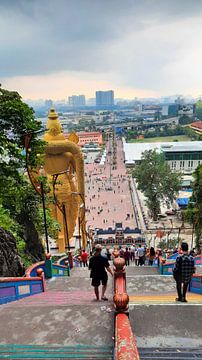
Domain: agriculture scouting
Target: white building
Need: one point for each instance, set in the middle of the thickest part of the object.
(181, 156)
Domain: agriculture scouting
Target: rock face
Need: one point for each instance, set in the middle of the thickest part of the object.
(33, 244)
(10, 261)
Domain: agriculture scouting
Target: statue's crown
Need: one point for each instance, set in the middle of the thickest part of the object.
(53, 126)
(52, 114)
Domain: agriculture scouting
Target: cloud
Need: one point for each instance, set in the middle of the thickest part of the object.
(61, 84)
(148, 44)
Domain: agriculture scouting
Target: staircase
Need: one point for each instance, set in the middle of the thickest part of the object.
(141, 270)
(77, 352)
(64, 321)
(170, 354)
(147, 280)
(164, 329)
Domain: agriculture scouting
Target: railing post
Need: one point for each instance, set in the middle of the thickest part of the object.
(40, 274)
(125, 345)
(163, 261)
(48, 267)
(70, 259)
(67, 265)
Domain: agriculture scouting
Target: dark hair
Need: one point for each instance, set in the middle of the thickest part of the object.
(184, 246)
(152, 252)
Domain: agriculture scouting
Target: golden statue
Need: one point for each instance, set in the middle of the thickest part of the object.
(63, 160)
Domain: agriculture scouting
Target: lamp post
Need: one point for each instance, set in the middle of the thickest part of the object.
(44, 215)
(192, 236)
(80, 221)
(169, 232)
(192, 204)
(61, 207)
(65, 225)
(79, 232)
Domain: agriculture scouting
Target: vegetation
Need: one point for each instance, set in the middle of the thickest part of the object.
(20, 211)
(161, 131)
(169, 243)
(162, 139)
(185, 119)
(198, 109)
(156, 181)
(194, 210)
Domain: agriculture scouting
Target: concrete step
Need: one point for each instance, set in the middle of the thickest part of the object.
(79, 279)
(149, 284)
(167, 326)
(170, 353)
(79, 352)
(141, 270)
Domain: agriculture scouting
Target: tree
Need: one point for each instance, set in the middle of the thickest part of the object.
(92, 125)
(17, 197)
(155, 179)
(198, 109)
(185, 119)
(194, 209)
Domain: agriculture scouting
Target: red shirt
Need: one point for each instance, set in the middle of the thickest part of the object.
(84, 256)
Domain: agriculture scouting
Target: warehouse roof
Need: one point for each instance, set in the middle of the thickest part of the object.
(133, 151)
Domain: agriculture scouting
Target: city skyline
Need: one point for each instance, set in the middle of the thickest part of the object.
(53, 49)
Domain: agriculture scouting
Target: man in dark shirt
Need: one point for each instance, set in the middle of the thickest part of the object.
(183, 270)
(97, 265)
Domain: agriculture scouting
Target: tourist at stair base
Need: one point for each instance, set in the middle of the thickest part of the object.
(141, 254)
(136, 257)
(127, 257)
(98, 265)
(183, 270)
(84, 258)
(132, 253)
(151, 256)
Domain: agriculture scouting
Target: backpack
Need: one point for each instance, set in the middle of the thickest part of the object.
(177, 272)
(184, 269)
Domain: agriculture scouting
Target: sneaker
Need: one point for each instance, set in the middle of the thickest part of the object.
(177, 299)
(184, 300)
(104, 298)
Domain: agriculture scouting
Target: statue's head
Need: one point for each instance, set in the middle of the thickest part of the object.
(54, 127)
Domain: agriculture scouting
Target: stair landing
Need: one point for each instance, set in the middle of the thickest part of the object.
(66, 314)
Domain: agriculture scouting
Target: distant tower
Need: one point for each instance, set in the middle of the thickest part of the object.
(48, 103)
(77, 101)
(105, 98)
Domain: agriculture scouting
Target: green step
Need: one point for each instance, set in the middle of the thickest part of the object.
(79, 352)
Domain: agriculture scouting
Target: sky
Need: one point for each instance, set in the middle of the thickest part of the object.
(138, 48)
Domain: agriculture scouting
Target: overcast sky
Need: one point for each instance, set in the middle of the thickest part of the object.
(55, 48)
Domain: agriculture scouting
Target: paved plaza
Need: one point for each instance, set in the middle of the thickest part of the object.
(106, 207)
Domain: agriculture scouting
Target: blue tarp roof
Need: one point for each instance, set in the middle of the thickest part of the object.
(182, 201)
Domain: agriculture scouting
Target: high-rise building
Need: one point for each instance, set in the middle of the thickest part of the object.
(76, 100)
(105, 98)
(48, 103)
